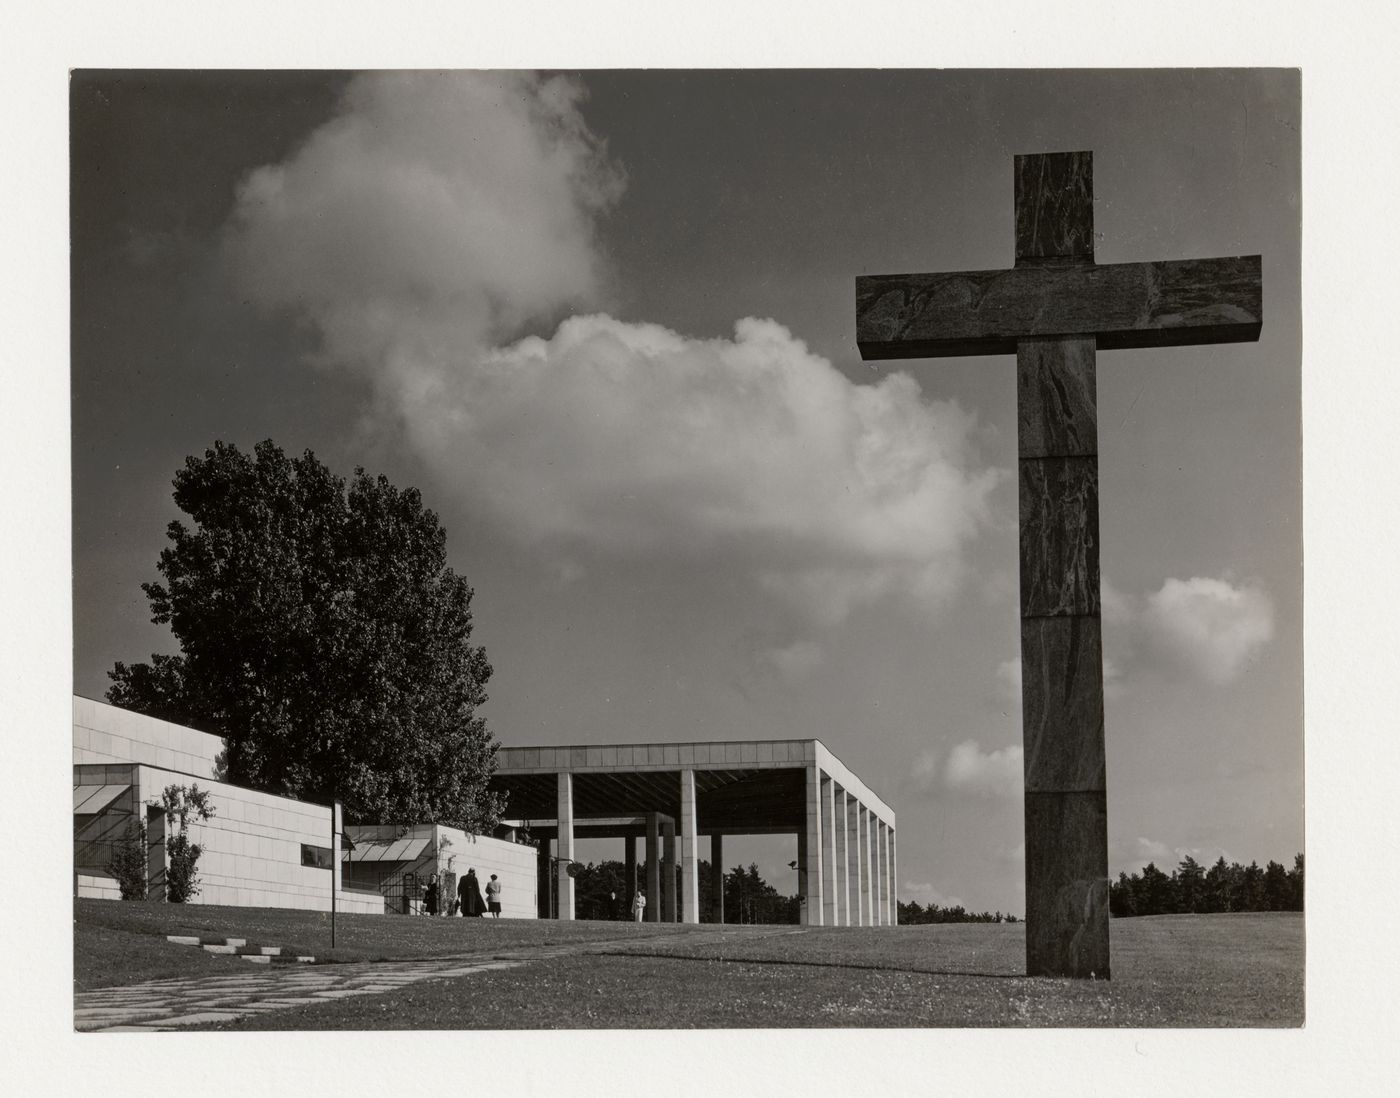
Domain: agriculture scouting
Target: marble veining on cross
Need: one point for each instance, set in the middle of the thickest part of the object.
(1054, 310)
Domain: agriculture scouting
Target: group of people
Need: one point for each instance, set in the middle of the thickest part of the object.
(471, 904)
(469, 899)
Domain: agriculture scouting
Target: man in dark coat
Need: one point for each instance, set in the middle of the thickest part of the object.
(469, 892)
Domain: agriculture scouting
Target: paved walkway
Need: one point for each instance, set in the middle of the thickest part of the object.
(170, 1004)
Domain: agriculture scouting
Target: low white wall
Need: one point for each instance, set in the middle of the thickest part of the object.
(97, 886)
(447, 850)
(252, 848)
(103, 733)
(513, 863)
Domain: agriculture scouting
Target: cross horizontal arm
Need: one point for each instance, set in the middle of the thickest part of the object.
(1164, 304)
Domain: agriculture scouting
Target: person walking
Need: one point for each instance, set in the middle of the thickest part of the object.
(469, 890)
(639, 904)
(430, 896)
(493, 896)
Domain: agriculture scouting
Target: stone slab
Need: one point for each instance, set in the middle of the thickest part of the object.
(1054, 206)
(1059, 517)
(1067, 884)
(1170, 303)
(1056, 398)
(1062, 704)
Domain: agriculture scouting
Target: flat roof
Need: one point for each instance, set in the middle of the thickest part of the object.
(742, 786)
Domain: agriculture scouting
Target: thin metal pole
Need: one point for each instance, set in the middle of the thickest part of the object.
(335, 861)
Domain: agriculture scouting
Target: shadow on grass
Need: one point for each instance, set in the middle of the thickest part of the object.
(761, 960)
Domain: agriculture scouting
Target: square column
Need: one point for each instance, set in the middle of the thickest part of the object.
(894, 884)
(802, 915)
(653, 909)
(155, 853)
(830, 912)
(668, 871)
(717, 876)
(882, 837)
(854, 871)
(842, 859)
(566, 845)
(877, 877)
(867, 917)
(544, 883)
(690, 882)
(629, 859)
(809, 855)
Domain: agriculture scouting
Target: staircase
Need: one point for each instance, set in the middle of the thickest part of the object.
(239, 947)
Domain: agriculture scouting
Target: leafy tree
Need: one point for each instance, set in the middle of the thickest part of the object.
(1295, 884)
(128, 864)
(181, 804)
(600, 891)
(748, 898)
(323, 635)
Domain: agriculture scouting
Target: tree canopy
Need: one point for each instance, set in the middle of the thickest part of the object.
(1193, 888)
(324, 636)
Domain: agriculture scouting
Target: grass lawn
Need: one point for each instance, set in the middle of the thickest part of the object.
(117, 943)
(1183, 970)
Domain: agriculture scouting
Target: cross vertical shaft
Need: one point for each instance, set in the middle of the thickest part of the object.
(1061, 641)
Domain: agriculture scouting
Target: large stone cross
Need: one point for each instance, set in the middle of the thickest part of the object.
(1054, 309)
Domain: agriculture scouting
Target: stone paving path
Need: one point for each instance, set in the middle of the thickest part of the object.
(172, 1004)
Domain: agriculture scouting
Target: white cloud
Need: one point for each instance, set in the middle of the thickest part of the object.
(995, 773)
(438, 214)
(435, 213)
(1209, 625)
(797, 660)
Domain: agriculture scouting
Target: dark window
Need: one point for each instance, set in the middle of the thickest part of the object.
(317, 857)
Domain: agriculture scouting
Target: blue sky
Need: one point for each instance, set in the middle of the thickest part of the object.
(605, 322)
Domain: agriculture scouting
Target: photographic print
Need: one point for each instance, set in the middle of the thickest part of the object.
(677, 548)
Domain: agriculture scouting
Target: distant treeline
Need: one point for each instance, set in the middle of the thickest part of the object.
(911, 914)
(1193, 888)
(600, 892)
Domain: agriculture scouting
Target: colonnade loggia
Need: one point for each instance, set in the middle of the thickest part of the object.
(846, 863)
